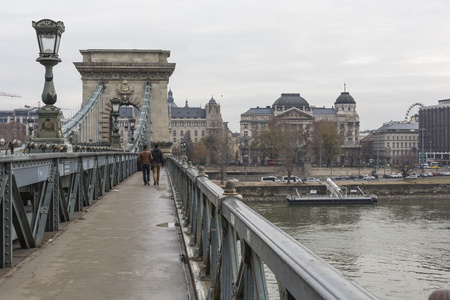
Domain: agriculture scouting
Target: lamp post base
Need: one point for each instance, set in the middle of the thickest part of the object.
(49, 126)
(115, 140)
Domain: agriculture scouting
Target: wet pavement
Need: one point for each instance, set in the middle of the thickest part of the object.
(125, 246)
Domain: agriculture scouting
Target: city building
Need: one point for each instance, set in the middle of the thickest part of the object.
(19, 115)
(395, 141)
(196, 122)
(434, 127)
(293, 109)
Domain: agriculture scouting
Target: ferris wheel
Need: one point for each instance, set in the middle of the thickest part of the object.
(410, 109)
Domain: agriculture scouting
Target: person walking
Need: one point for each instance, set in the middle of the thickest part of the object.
(145, 158)
(158, 159)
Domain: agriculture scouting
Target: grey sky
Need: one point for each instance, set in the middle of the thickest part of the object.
(390, 54)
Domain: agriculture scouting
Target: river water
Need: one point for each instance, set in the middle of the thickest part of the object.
(397, 249)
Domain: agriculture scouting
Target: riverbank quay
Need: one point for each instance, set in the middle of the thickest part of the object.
(435, 187)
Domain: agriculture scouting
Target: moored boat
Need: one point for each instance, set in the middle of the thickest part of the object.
(334, 196)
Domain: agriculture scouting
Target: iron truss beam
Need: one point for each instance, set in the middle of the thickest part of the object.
(39, 191)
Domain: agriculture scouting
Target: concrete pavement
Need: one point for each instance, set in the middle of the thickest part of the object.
(123, 247)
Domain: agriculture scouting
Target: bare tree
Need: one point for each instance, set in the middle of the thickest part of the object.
(331, 145)
(219, 148)
(13, 130)
(406, 164)
(199, 153)
(285, 143)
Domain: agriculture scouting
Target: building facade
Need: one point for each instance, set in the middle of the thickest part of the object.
(294, 110)
(195, 122)
(434, 131)
(394, 141)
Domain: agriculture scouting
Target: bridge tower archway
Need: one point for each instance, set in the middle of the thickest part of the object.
(125, 73)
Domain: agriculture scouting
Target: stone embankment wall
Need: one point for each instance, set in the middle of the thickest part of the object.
(279, 191)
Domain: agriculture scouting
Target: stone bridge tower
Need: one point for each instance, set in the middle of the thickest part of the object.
(125, 74)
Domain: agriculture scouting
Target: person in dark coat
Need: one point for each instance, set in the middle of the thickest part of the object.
(145, 158)
(158, 159)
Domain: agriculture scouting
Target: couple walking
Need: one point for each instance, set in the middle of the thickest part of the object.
(154, 158)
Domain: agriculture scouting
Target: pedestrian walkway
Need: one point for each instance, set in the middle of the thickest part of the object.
(123, 247)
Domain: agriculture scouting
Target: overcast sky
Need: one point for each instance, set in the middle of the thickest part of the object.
(391, 54)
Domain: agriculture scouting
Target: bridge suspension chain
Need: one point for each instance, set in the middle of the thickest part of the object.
(73, 124)
(142, 134)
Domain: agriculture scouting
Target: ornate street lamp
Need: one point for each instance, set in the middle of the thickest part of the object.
(115, 136)
(48, 34)
(30, 127)
(132, 128)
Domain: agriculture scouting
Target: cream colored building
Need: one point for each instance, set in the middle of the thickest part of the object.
(196, 121)
(296, 111)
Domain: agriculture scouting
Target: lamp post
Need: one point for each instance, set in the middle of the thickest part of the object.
(132, 128)
(183, 149)
(422, 155)
(115, 136)
(320, 154)
(30, 127)
(48, 34)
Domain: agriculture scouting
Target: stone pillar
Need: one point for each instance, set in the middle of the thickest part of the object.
(136, 68)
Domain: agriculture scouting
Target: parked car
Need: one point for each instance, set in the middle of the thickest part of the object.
(337, 177)
(270, 179)
(369, 178)
(412, 176)
(445, 173)
(350, 177)
(312, 179)
(292, 179)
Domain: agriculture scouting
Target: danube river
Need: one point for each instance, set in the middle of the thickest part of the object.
(397, 249)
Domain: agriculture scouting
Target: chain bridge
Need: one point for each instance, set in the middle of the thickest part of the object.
(97, 230)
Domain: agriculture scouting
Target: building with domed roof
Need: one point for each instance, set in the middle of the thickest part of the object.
(293, 109)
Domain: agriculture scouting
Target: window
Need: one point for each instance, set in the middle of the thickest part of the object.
(196, 133)
(203, 133)
(195, 124)
(181, 124)
(174, 133)
(245, 126)
(196, 140)
(263, 126)
(174, 140)
(245, 133)
(181, 133)
(188, 124)
(174, 124)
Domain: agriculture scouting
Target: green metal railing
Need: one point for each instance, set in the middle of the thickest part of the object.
(230, 243)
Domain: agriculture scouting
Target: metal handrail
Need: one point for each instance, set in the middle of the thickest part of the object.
(234, 242)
